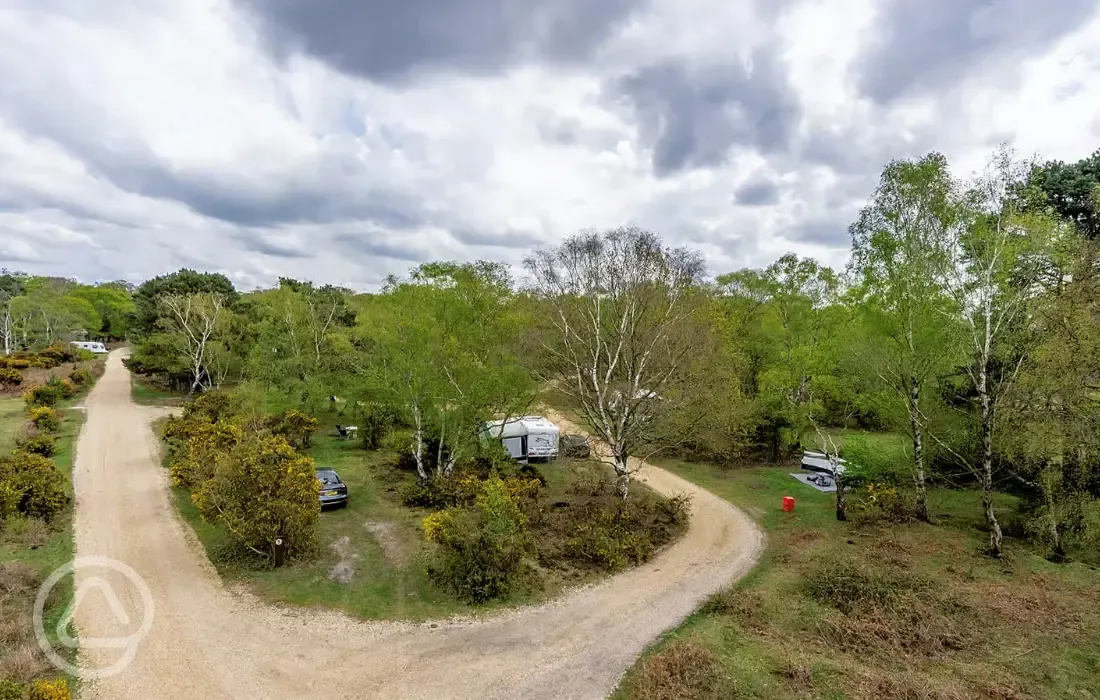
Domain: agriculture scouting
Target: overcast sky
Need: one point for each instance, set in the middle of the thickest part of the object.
(343, 140)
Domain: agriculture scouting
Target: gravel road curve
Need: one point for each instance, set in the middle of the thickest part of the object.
(208, 643)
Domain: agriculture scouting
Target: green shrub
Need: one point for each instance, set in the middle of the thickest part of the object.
(57, 353)
(80, 376)
(375, 424)
(481, 549)
(213, 406)
(10, 377)
(11, 690)
(206, 442)
(9, 500)
(45, 418)
(263, 490)
(438, 492)
(879, 502)
(48, 395)
(297, 427)
(182, 428)
(37, 483)
(39, 443)
(65, 386)
(612, 538)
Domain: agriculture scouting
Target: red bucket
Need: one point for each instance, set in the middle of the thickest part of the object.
(788, 504)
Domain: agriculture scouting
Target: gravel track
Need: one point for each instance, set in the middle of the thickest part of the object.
(208, 642)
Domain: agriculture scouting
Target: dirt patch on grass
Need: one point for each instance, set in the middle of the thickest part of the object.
(389, 539)
(344, 569)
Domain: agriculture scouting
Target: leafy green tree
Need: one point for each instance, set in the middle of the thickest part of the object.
(440, 346)
(147, 297)
(789, 319)
(114, 307)
(196, 325)
(1070, 190)
(1051, 420)
(300, 340)
(12, 285)
(901, 252)
(993, 281)
(48, 311)
(621, 320)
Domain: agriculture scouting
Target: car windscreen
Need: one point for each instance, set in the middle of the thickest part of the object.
(328, 478)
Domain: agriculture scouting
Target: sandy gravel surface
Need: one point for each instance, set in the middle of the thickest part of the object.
(208, 643)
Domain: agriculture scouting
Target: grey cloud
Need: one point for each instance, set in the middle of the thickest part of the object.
(373, 245)
(829, 231)
(336, 187)
(506, 239)
(9, 254)
(925, 45)
(387, 41)
(569, 131)
(270, 244)
(864, 149)
(691, 117)
(333, 194)
(27, 201)
(756, 191)
(565, 132)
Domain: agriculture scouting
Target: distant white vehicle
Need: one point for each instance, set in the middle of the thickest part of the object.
(526, 438)
(97, 348)
(821, 463)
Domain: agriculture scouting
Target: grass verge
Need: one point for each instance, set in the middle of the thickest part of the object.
(879, 611)
(12, 419)
(30, 550)
(146, 393)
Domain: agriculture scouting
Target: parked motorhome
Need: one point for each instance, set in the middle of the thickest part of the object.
(98, 348)
(822, 463)
(526, 438)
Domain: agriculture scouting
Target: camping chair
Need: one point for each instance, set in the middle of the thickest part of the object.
(346, 432)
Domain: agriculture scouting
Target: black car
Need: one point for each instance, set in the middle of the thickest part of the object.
(334, 492)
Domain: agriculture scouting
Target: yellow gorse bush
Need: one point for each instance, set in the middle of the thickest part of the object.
(51, 690)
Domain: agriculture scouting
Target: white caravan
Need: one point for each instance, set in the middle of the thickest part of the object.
(822, 463)
(526, 438)
(97, 348)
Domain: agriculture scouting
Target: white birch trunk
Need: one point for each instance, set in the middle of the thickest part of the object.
(418, 447)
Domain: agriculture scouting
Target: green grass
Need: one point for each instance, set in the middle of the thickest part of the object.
(44, 547)
(11, 421)
(147, 394)
(1017, 628)
(889, 442)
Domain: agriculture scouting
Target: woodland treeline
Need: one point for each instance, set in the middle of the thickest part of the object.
(967, 320)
